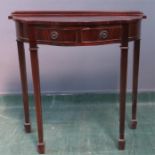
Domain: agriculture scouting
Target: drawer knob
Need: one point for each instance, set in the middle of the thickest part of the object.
(103, 34)
(54, 35)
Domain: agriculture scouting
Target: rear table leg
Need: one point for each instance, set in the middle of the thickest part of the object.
(22, 67)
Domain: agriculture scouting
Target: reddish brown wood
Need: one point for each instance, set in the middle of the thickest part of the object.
(79, 28)
(83, 16)
(123, 80)
(36, 85)
(135, 82)
(22, 67)
(76, 24)
(77, 35)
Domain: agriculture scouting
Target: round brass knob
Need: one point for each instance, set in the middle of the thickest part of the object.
(103, 34)
(54, 35)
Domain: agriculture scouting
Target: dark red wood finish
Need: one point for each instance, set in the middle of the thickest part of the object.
(22, 67)
(123, 81)
(77, 28)
(136, 56)
(36, 85)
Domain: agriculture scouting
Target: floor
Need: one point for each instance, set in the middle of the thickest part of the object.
(85, 124)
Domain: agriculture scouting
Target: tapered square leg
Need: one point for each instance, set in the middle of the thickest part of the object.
(123, 81)
(23, 76)
(37, 95)
(135, 83)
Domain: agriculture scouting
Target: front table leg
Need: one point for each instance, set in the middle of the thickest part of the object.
(123, 81)
(23, 76)
(135, 82)
(37, 95)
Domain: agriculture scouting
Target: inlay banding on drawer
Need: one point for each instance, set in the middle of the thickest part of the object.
(101, 34)
(56, 35)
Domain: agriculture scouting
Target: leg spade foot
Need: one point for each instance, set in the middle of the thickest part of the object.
(133, 124)
(121, 144)
(41, 148)
(27, 127)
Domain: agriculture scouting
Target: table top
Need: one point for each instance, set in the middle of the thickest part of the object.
(76, 17)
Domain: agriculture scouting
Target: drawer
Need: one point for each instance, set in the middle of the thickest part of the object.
(56, 35)
(101, 34)
(78, 36)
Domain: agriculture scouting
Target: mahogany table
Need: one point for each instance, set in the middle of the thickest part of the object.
(77, 28)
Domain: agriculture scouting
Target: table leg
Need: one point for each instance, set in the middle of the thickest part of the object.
(37, 95)
(123, 81)
(135, 82)
(22, 67)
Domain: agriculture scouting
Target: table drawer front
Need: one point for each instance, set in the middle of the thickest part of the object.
(101, 34)
(79, 36)
(56, 35)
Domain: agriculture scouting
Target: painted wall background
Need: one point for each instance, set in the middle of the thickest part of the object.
(76, 69)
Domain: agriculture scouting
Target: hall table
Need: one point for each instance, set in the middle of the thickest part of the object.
(77, 28)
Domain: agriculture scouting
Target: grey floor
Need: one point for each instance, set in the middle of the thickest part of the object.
(84, 124)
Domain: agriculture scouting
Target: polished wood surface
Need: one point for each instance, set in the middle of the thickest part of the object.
(123, 81)
(22, 67)
(81, 17)
(78, 28)
(136, 56)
